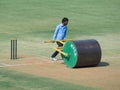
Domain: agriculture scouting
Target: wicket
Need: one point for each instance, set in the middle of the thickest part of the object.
(14, 49)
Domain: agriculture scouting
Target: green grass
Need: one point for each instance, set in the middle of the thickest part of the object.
(33, 21)
(86, 17)
(10, 80)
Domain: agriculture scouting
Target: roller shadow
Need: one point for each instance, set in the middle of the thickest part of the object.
(103, 64)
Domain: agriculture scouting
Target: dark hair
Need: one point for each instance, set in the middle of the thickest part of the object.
(65, 19)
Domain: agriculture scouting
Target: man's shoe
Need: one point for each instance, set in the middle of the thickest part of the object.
(53, 59)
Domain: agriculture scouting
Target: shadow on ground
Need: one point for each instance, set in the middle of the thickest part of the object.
(103, 64)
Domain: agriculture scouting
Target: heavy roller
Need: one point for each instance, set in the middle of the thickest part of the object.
(79, 53)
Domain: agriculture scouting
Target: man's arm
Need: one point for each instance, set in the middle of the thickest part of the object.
(65, 33)
(55, 33)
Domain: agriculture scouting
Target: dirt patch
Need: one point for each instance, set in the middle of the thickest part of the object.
(103, 76)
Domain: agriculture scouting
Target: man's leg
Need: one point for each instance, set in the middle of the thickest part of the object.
(60, 45)
(56, 52)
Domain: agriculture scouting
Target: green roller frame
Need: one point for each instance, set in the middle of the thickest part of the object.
(71, 50)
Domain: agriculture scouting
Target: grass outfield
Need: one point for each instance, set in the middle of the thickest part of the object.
(17, 81)
(33, 21)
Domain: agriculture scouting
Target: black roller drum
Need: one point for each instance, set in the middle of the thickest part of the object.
(82, 53)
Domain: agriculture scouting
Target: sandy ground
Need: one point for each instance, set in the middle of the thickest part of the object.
(102, 76)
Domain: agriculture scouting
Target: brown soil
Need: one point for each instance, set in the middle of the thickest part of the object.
(103, 76)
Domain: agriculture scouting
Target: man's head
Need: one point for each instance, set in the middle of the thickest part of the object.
(65, 21)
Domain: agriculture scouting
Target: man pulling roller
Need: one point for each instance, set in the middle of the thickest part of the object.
(60, 34)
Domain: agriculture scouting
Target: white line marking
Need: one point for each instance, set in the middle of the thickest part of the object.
(8, 65)
(14, 65)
